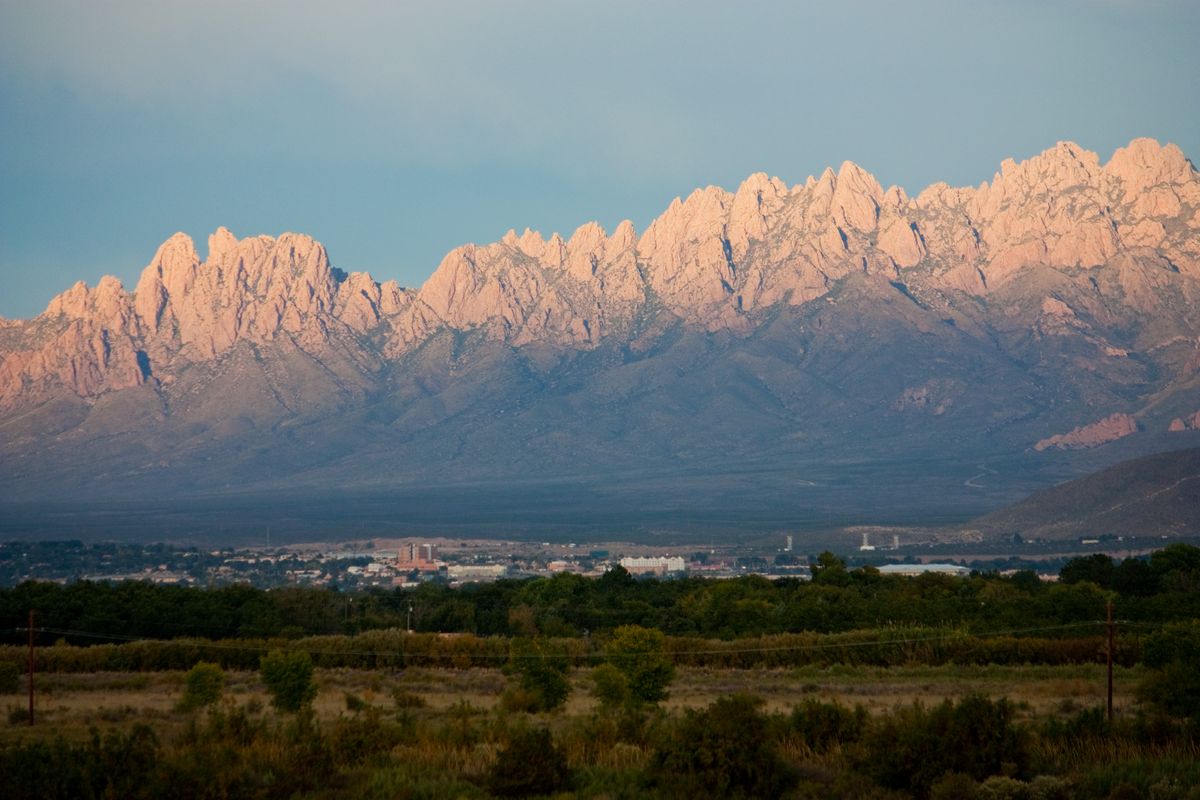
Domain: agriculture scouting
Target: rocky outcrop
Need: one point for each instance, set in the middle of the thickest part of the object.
(935, 397)
(1188, 423)
(1106, 430)
(251, 289)
(716, 260)
(87, 340)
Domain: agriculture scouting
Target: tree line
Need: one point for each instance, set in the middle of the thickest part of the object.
(1162, 588)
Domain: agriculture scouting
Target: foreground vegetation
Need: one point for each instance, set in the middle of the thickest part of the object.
(984, 687)
(809, 732)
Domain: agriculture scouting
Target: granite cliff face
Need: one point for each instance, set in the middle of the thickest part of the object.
(1062, 292)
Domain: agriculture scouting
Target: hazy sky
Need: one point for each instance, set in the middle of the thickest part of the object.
(395, 131)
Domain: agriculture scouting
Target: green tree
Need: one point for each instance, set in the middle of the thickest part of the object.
(289, 678)
(541, 668)
(830, 570)
(1173, 683)
(640, 655)
(202, 686)
(1178, 567)
(1097, 568)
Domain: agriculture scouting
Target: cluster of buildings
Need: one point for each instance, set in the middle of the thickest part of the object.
(416, 562)
(402, 563)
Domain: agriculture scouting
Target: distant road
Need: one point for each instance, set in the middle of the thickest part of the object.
(972, 481)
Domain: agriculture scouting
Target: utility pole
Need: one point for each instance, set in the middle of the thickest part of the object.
(1109, 625)
(31, 667)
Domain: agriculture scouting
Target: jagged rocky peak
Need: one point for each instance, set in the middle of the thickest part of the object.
(712, 260)
(1144, 163)
(106, 300)
(249, 289)
(713, 256)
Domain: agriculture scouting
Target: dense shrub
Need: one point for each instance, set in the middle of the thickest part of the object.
(541, 669)
(202, 686)
(913, 747)
(1089, 723)
(116, 765)
(823, 725)
(10, 678)
(640, 655)
(610, 686)
(531, 764)
(1173, 682)
(289, 679)
(721, 751)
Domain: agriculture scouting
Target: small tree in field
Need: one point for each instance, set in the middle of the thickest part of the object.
(202, 686)
(610, 686)
(542, 669)
(289, 679)
(640, 655)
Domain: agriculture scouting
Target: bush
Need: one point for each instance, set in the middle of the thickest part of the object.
(531, 764)
(10, 678)
(722, 751)
(405, 699)
(1090, 723)
(640, 655)
(289, 679)
(115, 765)
(1173, 684)
(542, 671)
(954, 786)
(610, 686)
(1048, 787)
(18, 715)
(518, 700)
(355, 703)
(202, 686)
(823, 725)
(913, 747)
(999, 787)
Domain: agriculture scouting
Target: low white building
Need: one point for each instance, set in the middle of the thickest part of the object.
(921, 569)
(465, 573)
(659, 565)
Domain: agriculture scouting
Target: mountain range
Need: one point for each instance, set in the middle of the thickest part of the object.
(773, 357)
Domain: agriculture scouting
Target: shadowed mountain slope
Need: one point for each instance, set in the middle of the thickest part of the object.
(1157, 495)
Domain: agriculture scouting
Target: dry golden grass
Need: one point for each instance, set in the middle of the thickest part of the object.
(1039, 689)
(73, 703)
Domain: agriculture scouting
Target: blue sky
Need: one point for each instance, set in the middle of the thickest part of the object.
(393, 132)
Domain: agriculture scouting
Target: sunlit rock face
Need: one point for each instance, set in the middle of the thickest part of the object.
(1058, 303)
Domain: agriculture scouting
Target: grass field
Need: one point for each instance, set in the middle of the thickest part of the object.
(76, 701)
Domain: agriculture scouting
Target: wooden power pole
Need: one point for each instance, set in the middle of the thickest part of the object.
(1109, 625)
(31, 667)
